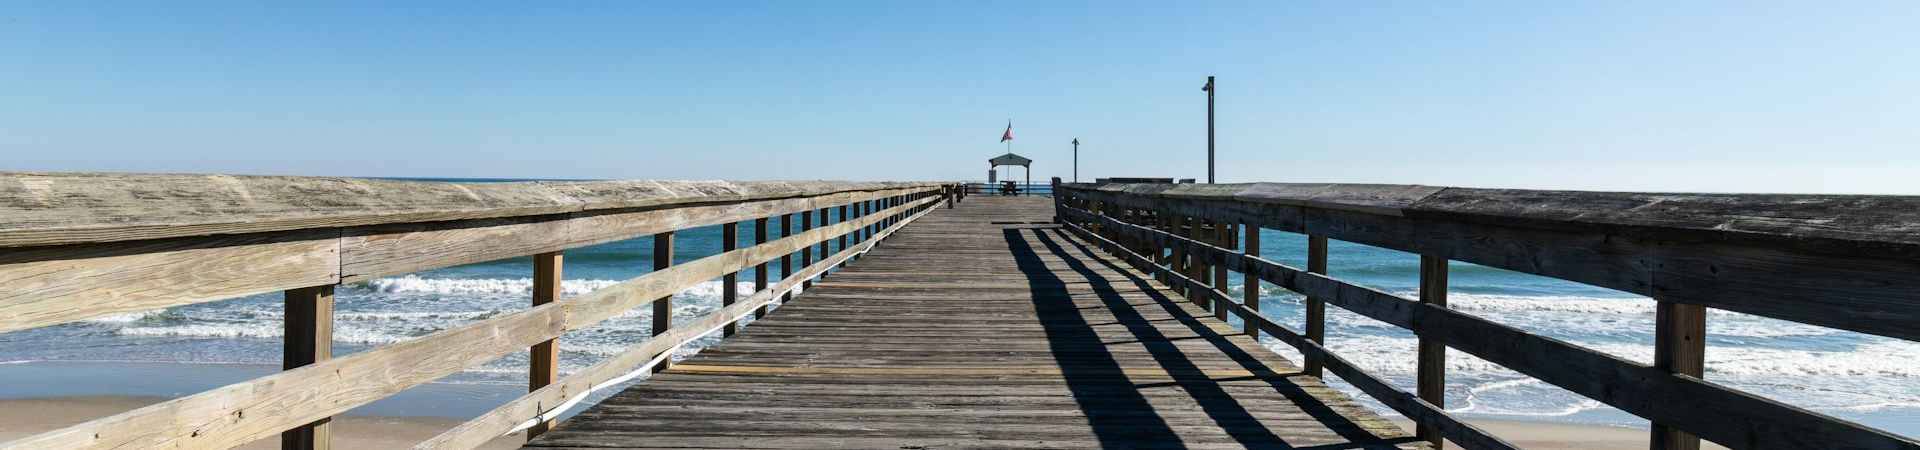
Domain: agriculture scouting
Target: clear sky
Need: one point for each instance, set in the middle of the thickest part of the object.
(1615, 95)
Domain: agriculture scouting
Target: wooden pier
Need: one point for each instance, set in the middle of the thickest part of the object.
(1092, 317)
(983, 326)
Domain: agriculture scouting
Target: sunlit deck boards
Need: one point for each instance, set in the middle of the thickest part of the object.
(982, 327)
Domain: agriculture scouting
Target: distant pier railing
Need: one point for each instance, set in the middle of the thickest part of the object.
(977, 188)
(1844, 262)
(81, 246)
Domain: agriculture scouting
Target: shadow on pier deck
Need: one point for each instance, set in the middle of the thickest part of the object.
(983, 326)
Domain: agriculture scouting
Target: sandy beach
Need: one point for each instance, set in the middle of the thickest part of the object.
(25, 417)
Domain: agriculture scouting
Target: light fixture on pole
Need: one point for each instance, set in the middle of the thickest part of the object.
(1076, 160)
(1209, 89)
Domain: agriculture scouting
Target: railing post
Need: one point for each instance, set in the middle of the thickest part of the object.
(760, 270)
(806, 252)
(1316, 308)
(786, 260)
(662, 308)
(825, 244)
(1431, 374)
(729, 283)
(1679, 347)
(543, 366)
(309, 339)
(1249, 282)
(1161, 255)
(844, 236)
(1191, 266)
(1228, 239)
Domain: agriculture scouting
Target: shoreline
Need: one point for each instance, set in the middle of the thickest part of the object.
(22, 417)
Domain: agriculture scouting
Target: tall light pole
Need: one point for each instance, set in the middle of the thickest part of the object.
(1076, 160)
(1209, 89)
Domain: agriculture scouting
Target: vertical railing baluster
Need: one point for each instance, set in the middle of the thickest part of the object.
(825, 244)
(309, 339)
(844, 236)
(662, 308)
(1432, 371)
(729, 283)
(786, 260)
(543, 367)
(1223, 234)
(1316, 308)
(1680, 347)
(1249, 281)
(760, 270)
(806, 251)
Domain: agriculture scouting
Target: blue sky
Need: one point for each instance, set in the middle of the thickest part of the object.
(1674, 96)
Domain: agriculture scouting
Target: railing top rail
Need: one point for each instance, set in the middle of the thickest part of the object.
(40, 208)
(1875, 226)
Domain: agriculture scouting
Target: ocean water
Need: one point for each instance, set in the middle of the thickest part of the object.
(1870, 379)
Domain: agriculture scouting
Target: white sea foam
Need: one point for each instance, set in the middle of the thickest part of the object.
(416, 284)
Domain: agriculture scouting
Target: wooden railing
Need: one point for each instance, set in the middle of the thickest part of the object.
(79, 246)
(1845, 262)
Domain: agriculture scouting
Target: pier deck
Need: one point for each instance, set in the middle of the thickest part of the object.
(982, 326)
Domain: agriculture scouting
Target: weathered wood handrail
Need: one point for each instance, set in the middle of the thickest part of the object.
(1847, 262)
(238, 236)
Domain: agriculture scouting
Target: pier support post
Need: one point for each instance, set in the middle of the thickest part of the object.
(786, 260)
(1316, 308)
(309, 339)
(543, 364)
(1229, 239)
(662, 308)
(806, 253)
(1249, 282)
(1680, 347)
(760, 270)
(729, 283)
(1431, 374)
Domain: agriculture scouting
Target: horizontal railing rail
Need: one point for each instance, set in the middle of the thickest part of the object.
(49, 277)
(1185, 235)
(1001, 189)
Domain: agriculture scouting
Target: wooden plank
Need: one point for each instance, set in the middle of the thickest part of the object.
(244, 412)
(1435, 417)
(1713, 412)
(544, 358)
(1145, 381)
(308, 339)
(760, 270)
(730, 284)
(1316, 308)
(74, 208)
(1679, 347)
(41, 286)
(1783, 281)
(484, 428)
(1431, 371)
(1251, 285)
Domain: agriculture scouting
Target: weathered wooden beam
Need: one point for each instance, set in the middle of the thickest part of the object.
(1431, 373)
(760, 270)
(1251, 284)
(476, 432)
(1316, 308)
(244, 412)
(1777, 279)
(1679, 347)
(662, 306)
(543, 362)
(730, 283)
(1454, 429)
(1713, 412)
(308, 339)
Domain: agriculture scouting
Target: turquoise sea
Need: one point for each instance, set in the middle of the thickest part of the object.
(181, 350)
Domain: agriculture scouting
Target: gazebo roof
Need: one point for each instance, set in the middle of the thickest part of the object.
(1010, 160)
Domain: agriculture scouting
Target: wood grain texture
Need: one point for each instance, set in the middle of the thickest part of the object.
(69, 208)
(997, 358)
(1850, 290)
(41, 286)
(487, 426)
(309, 339)
(1716, 413)
(1408, 404)
(543, 361)
(251, 410)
